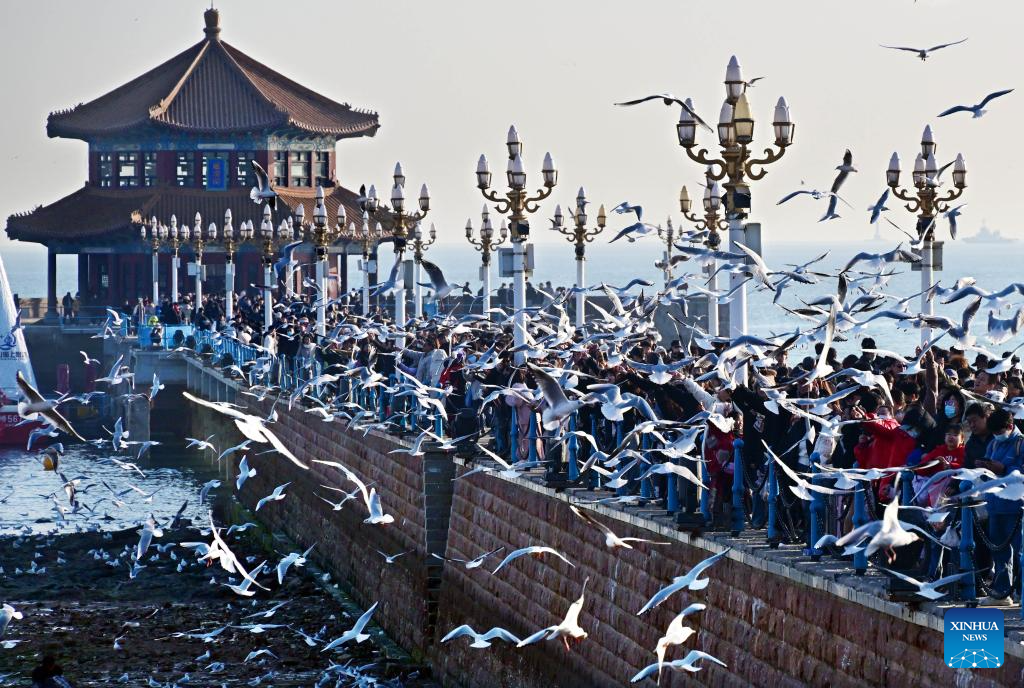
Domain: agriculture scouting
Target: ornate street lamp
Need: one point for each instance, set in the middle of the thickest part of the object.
(736, 164)
(402, 222)
(580, 236)
(271, 242)
(712, 224)
(322, 236)
(368, 239)
(198, 245)
(173, 240)
(927, 201)
(155, 241)
(245, 234)
(516, 204)
(419, 245)
(486, 245)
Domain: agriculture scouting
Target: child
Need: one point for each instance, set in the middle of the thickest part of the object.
(949, 455)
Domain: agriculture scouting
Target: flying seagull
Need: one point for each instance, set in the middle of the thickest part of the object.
(670, 100)
(263, 191)
(480, 640)
(844, 171)
(437, 281)
(976, 110)
(33, 405)
(923, 52)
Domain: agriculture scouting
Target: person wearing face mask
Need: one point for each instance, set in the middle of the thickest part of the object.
(1005, 453)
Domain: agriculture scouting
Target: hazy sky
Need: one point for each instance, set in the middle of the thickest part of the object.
(449, 77)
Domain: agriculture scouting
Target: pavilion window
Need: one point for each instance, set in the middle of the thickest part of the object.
(300, 168)
(149, 173)
(185, 173)
(106, 169)
(321, 168)
(127, 170)
(243, 170)
(280, 168)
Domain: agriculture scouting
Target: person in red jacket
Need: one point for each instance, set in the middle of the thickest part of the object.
(947, 455)
(890, 445)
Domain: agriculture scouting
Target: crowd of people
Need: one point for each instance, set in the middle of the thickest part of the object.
(951, 414)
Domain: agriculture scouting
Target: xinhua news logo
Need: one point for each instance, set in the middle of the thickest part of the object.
(973, 638)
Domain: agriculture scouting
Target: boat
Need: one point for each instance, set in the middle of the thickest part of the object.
(13, 358)
(987, 236)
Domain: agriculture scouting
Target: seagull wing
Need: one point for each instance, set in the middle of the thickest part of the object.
(955, 109)
(993, 96)
(900, 47)
(944, 45)
(549, 387)
(434, 273)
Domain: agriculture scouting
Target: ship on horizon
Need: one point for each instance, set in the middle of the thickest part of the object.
(987, 236)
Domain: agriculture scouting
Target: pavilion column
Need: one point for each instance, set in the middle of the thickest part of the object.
(52, 316)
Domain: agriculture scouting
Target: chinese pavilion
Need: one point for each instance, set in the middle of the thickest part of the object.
(178, 140)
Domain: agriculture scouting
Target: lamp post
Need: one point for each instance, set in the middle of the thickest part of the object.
(198, 245)
(368, 240)
(228, 232)
(712, 224)
(154, 238)
(402, 222)
(419, 245)
(271, 242)
(516, 204)
(736, 164)
(926, 200)
(486, 245)
(580, 236)
(175, 243)
(322, 235)
(667, 235)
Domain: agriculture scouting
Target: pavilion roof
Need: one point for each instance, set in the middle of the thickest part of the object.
(112, 215)
(212, 88)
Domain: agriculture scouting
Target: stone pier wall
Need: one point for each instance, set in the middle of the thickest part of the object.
(773, 625)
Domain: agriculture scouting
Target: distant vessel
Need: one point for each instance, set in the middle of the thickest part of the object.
(13, 357)
(987, 236)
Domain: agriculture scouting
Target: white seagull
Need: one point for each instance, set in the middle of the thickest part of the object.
(355, 633)
(976, 110)
(480, 640)
(276, 496)
(569, 628)
(691, 581)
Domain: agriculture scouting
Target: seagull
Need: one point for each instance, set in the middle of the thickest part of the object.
(480, 640)
(1002, 329)
(635, 230)
(155, 387)
(292, 559)
(886, 535)
(670, 100)
(690, 581)
(33, 405)
(952, 214)
(675, 634)
(476, 562)
(976, 110)
(845, 168)
(354, 633)
(205, 490)
(923, 52)
(201, 445)
(558, 406)
(879, 207)
(437, 281)
(927, 589)
(876, 261)
(687, 663)
(89, 360)
(7, 613)
(534, 551)
(611, 540)
(390, 558)
(569, 628)
(263, 191)
(244, 472)
(252, 427)
(276, 496)
(257, 653)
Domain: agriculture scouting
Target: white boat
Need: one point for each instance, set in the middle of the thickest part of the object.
(13, 357)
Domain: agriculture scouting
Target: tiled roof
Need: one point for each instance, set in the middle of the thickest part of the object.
(102, 215)
(212, 88)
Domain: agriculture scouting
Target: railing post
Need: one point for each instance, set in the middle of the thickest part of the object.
(705, 492)
(595, 477)
(773, 506)
(860, 518)
(624, 490)
(818, 509)
(513, 437)
(968, 586)
(671, 492)
(739, 515)
(572, 447)
(906, 487)
(646, 489)
(438, 420)
(531, 437)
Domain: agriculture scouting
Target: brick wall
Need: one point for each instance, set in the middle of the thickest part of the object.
(769, 629)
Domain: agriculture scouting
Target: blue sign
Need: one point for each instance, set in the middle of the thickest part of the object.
(973, 638)
(216, 174)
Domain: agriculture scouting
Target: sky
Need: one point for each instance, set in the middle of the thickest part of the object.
(449, 77)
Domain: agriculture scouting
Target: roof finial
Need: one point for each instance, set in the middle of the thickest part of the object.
(212, 18)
